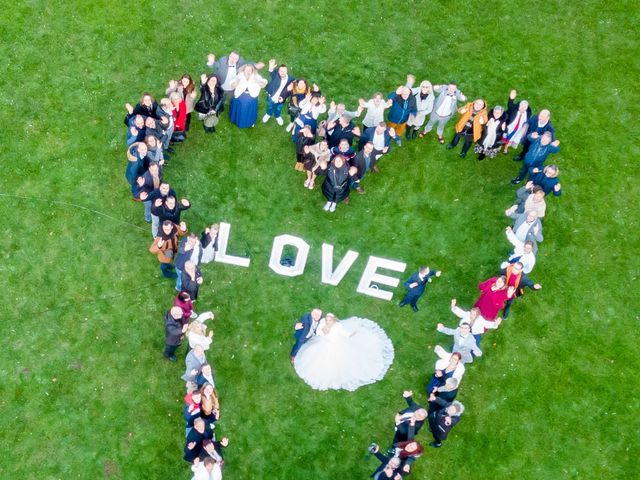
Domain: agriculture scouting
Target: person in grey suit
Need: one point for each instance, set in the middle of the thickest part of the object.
(445, 106)
(195, 359)
(527, 226)
(226, 69)
(463, 342)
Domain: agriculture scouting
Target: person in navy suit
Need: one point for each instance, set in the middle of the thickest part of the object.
(381, 136)
(277, 91)
(304, 329)
(416, 285)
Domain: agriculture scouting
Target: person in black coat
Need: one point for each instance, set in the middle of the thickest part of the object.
(210, 103)
(173, 331)
(341, 128)
(336, 183)
(491, 140)
(197, 435)
(443, 419)
(389, 467)
(444, 394)
(191, 279)
(147, 107)
(214, 449)
(169, 209)
(410, 420)
(364, 161)
(416, 285)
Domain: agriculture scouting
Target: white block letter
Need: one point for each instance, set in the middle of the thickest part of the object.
(334, 277)
(370, 275)
(223, 241)
(276, 254)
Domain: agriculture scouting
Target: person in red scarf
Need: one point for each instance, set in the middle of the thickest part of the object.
(518, 280)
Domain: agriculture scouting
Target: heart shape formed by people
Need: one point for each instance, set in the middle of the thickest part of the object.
(254, 175)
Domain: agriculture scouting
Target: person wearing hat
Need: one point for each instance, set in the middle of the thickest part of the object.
(173, 332)
(490, 142)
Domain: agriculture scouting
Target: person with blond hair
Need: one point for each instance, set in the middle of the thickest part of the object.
(244, 104)
(425, 99)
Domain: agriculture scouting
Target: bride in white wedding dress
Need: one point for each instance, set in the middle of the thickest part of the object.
(344, 354)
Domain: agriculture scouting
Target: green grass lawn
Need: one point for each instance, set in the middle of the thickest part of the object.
(84, 390)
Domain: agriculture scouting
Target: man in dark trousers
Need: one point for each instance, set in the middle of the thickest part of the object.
(410, 420)
(443, 419)
(173, 331)
(517, 279)
(416, 284)
(305, 328)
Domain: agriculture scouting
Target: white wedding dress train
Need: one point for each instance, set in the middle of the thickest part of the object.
(355, 352)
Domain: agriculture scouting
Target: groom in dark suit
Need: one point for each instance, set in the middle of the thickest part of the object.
(410, 420)
(416, 284)
(305, 328)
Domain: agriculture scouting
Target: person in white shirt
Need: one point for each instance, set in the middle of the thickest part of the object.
(277, 91)
(208, 469)
(375, 109)
(522, 252)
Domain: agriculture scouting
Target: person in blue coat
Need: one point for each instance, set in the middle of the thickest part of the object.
(416, 285)
(380, 136)
(546, 179)
(304, 329)
(539, 124)
(403, 104)
(541, 147)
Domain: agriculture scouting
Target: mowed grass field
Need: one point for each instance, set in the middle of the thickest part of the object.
(84, 390)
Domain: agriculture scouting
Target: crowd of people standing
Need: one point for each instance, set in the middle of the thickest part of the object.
(330, 145)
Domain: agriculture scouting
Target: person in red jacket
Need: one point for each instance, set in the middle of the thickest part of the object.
(494, 295)
(179, 117)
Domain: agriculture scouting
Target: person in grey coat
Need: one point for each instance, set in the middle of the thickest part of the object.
(195, 359)
(446, 104)
(527, 226)
(463, 341)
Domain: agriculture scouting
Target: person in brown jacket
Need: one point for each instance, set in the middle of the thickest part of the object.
(165, 245)
(472, 117)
